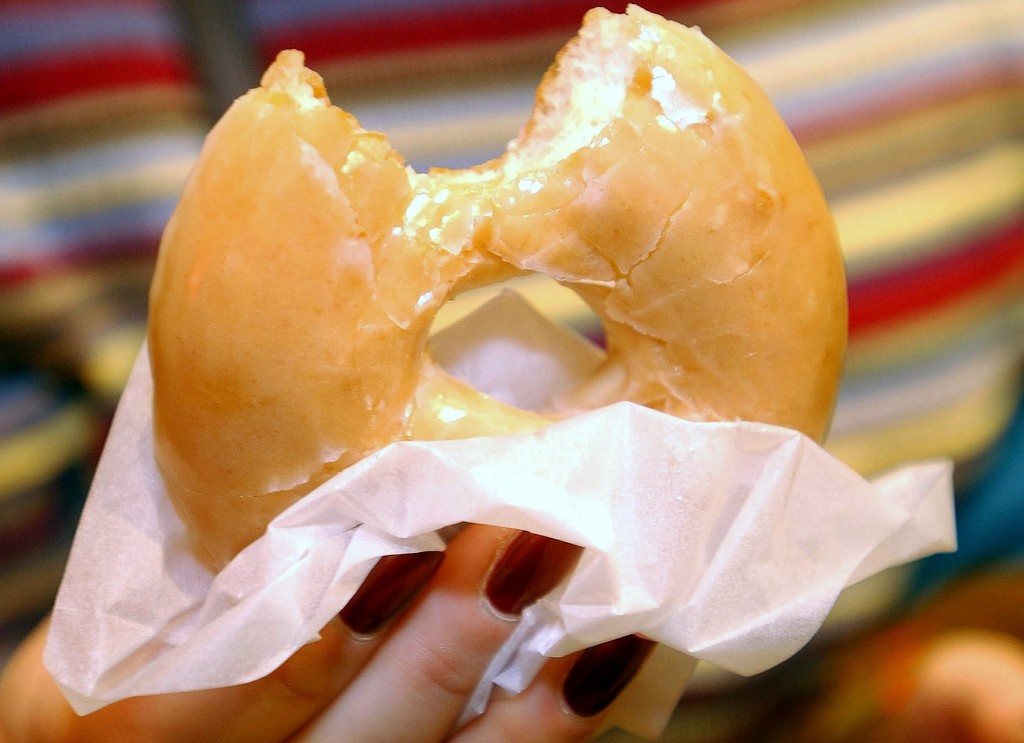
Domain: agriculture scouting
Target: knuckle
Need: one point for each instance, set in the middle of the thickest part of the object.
(442, 666)
(449, 665)
(313, 675)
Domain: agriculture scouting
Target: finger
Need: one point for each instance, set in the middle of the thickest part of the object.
(416, 686)
(25, 690)
(274, 707)
(265, 710)
(567, 700)
(268, 710)
(971, 688)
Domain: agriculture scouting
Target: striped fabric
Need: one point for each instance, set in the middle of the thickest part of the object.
(912, 120)
(413, 39)
(100, 120)
(48, 439)
(911, 112)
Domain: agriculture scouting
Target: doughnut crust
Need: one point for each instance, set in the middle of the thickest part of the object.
(299, 275)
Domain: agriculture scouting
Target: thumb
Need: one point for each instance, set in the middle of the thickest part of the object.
(269, 709)
(970, 688)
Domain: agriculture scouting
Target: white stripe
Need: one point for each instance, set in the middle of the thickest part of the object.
(908, 392)
(902, 220)
(815, 61)
(59, 165)
(25, 209)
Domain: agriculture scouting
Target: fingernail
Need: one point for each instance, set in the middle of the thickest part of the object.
(388, 588)
(601, 672)
(528, 568)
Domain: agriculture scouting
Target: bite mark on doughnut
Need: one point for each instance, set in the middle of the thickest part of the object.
(301, 272)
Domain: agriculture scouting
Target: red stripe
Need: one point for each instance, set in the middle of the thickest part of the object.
(79, 6)
(916, 289)
(126, 249)
(422, 28)
(36, 527)
(48, 78)
(885, 105)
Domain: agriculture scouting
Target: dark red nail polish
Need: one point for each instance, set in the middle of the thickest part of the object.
(602, 672)
(390, 585)
(528, 568)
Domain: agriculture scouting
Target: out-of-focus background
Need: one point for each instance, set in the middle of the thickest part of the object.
(911, 112)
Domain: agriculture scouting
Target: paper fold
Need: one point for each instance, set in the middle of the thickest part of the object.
(726, 542)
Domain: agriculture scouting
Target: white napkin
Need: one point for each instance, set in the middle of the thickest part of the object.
(726, 542)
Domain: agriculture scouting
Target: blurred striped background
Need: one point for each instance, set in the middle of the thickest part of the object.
(911, 112)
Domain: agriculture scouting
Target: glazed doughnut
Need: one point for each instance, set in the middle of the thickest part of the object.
(299, 274)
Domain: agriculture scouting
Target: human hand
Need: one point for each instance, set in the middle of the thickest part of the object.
(398, 664)
(952, 671)
(968, 688)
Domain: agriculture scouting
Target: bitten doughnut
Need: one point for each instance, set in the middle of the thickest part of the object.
(300, 272)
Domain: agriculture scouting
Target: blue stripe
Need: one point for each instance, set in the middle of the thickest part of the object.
(56, 167)
(386, 115)
(140, 220)
(811, 28)
(25, 401)
(995, 331)
(34, 31)
(989, 57)
(272, 15)
(990, 527)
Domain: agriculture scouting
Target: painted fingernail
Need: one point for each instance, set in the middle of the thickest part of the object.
(602, 672)
(528, 568)
(389, 587)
